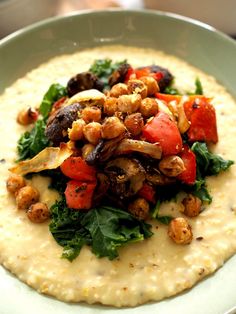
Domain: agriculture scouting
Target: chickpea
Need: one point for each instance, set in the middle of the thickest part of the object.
(26, 196)
(76, 132)
(151, 83)
(134, 123)
(180, 231)
(192, 205)
(87, 149)
(137, 87)
(38, 212)
(171, 166)
(27, 116)
(139, 208)
(112, 127)
(92, 132)
(15, 183)
(148, 107)
(90, 114)
(118, 90)
(129, 103)
(110, 106)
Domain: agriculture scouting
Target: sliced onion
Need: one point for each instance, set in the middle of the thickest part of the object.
(49, 158)
(128, 145)
(183, 123)
(88, 97)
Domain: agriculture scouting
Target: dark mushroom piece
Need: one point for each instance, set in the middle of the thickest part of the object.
(58, 124)
(126, 176)
(119, 75)
(101, 188)
(104, 150)
(165, 76)
(83, 81)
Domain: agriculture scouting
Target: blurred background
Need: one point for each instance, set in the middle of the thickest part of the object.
(15, 14)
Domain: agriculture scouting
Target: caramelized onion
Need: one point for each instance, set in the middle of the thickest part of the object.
(128, 145)
(49, 158)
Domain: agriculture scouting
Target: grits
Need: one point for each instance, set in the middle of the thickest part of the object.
(151, 270)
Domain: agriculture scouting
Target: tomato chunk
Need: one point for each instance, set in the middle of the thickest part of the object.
(79, 194)
(188, 176)
(147, 192)
(162, 129)
(77, 168)
(202, 116)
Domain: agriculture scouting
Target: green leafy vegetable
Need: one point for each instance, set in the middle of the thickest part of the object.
(155, 214)
(31, 143)
(198, 87)
(208, 163)
(103, 68)
(171, 91)
(58, 179)
(55, 92)
(104, 228)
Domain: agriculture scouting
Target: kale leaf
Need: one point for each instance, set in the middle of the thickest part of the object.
(104, 228)
(103, 68)
(209, 164)
(58, 179)
(55, 92)
(155, 214)
(31, 143)
(171, 91)
(198, 87)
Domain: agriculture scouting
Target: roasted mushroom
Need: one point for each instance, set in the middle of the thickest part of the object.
(104, 150)
(126, 176)
(57, 126)
(118, 76)
(83, 81)
(165, 76)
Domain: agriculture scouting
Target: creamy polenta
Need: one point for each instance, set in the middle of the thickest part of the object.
(149, 270)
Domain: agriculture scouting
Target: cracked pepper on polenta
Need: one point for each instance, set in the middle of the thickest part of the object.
(121, 182)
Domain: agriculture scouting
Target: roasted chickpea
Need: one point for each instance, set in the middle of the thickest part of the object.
(137, 87)
(134, 123)
(26, 196)
(92, 132)
(76, 131)
(148, 107)
(27, 116)
(112, 127)
(15, 183)
(110, 106)
(38, 212)
(91, 114)
(171, 166)
(180, 231)
(87, 149)
(151, 83)
(118, 90)
(129, 103)
(139, 208)
(192, 205)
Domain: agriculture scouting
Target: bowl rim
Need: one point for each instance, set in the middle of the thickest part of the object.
(55, 19)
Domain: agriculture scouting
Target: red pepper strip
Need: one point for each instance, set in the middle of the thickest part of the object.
(188, 176)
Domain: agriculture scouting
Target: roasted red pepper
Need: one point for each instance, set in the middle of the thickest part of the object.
(188, 176)
(76, 168)
(202, 117)
(162, 129)
(148, 193)
(79, 194)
